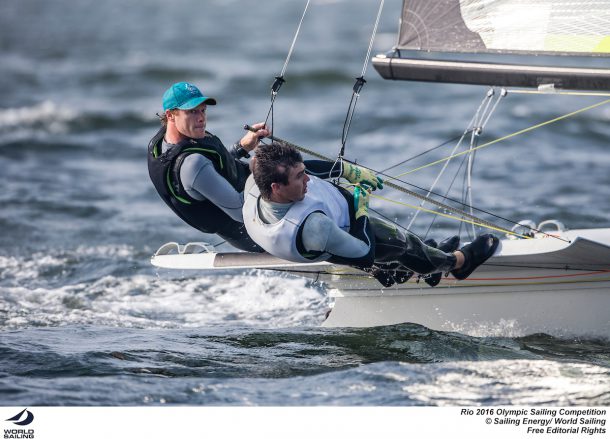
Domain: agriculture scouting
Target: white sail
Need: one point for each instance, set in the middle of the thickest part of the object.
(544, 27)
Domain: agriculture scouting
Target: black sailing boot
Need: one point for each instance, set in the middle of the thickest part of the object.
(475, 254)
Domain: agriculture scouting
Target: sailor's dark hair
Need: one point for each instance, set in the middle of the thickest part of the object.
(272, 164)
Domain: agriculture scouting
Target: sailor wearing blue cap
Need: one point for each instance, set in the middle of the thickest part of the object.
(193, 172)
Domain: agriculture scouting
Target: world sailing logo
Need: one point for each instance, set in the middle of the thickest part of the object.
(24, 417)
(17, 418)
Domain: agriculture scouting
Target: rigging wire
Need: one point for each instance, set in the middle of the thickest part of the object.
(445, 197)
(360, 81)
(503, 94)
(447, 142)
(469, 221)
(279, 80)
(482, 119)
(417, 195)
(469, 167)
(516, 133)
(473, 127)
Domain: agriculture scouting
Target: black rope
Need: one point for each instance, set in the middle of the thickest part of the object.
(428, 151)
(360, 81)
(275, 88)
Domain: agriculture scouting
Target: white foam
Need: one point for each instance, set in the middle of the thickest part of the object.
(26, 270)
(505, 382)
(46, 113)
(503, 328)
(148, 301)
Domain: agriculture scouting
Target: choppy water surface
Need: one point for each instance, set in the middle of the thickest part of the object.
(81, 309)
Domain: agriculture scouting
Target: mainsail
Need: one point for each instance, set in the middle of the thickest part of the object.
(517, 27)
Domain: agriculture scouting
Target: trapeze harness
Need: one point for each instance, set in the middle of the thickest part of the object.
(203, 215)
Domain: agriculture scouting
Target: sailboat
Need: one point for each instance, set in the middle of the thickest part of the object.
(546, 279)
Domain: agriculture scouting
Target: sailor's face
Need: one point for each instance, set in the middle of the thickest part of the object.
(296, 188)
(191, 123)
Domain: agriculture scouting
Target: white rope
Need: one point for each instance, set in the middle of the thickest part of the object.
(358, 86)
(294, 40)
(368, 54)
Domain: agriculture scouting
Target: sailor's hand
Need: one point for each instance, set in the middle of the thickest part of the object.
(252, 138)
(361, 201)
(358, 175)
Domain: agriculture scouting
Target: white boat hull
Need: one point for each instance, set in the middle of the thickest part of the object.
(481, 308)
(552, 286)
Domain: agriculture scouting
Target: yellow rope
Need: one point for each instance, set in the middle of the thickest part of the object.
(498, 229)
(548, 122)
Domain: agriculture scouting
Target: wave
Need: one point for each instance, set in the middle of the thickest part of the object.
(408, 354)
(143, 301)
(45, 113)
(49, 118)
(116, 286)
(73, 379)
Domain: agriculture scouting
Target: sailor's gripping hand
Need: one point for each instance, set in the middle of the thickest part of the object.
(358, 175)
(252, 138)
(361, 202)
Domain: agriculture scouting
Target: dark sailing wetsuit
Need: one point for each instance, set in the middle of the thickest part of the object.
(164, 168)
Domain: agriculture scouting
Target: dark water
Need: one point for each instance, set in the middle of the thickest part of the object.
(81, 309)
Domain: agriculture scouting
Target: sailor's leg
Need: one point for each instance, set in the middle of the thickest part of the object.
(389, 241)
(449, 245)
(237, 236)
(425, 259)
(395, 245)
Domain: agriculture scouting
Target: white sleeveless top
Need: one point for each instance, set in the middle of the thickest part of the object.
(280, 238)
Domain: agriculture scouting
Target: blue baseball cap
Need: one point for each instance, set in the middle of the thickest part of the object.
(184, 96)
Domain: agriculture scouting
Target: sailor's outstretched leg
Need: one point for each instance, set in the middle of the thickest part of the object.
(398, 254)
(425, 259)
